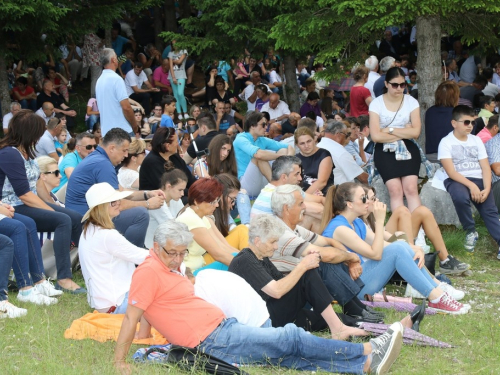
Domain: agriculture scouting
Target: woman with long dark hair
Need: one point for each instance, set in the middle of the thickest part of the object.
(25, 191)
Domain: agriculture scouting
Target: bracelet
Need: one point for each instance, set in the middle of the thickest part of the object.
(145, 195)
(147, 205)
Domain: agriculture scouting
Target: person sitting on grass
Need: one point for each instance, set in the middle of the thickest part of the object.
(409, 223)
(165, 297)
(344, 205)
(286, 296)
(465, 162)
(108, 260)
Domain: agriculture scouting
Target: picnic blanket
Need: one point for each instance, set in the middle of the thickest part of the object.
(103, 327)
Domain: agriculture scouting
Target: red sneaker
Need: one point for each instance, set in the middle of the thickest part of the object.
(448, 305)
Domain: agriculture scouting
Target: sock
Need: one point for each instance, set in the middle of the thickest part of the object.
(437, 299)
(352, 308)
(443, 262)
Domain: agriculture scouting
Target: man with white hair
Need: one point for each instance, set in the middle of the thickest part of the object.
(385, 64)
(14, 108)
(339, 269)
(372, 64)
(111, 94)
(165, 296)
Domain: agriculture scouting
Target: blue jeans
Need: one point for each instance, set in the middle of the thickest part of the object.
(133, 225)
(28, 262)
(288, 346)
(6, 257)
(460, 195)
(122, 309)
(339, 283)
(28, 104)
(244, 207)
(178, 91)
(91, 121)
(398, 256)
(66, 225)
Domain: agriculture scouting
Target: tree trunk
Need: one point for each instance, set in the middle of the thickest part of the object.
(107, 39)
(291, 90)
(4, 85)
(170, 21)
(158, 28)
(428, 66)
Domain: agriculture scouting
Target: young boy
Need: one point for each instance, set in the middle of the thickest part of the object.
(168, 105)
(464, 159)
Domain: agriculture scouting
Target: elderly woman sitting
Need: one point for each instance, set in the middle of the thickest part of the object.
(108, 259)
(203, 198)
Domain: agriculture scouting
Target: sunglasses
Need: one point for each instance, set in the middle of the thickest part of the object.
(56, 172)
(89, 147)
(467, 122)
(396, 85)
(264, 124)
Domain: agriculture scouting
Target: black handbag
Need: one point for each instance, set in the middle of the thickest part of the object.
(370, 147)
(191, 360)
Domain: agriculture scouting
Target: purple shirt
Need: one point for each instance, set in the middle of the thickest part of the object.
(306, 107)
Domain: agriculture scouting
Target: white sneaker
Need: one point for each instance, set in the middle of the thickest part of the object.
(35, 297)
(47, 289)
(455, 293)
(186, 116)
(8, 310)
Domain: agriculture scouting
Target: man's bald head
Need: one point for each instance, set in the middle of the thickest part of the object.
(47, 106)
(294, 118)
(274, 100)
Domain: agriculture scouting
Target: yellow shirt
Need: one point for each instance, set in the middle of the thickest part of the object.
(195, 258)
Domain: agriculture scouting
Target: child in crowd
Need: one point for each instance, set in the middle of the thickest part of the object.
(413, 80)
(239, 69)
(465, 161)
(61, 141)
(168, 105)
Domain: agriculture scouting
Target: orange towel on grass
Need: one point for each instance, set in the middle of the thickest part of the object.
(103, 327)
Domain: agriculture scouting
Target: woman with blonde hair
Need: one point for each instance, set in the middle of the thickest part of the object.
(107, 258)
(128, 175)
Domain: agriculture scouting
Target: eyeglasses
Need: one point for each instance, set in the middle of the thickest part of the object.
(467, 122)
(232, 199)
(396, 85)
(56, 172)
(174, 254)
(89, 147)
(114, 203)
(215, 202)
(347, 135)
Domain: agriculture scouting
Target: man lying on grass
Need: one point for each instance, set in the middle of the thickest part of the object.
(165, 297)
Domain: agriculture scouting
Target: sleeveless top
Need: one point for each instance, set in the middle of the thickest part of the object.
(310, 167)
(340, 221)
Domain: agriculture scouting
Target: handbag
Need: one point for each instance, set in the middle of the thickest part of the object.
(191, 361)
(370, 147)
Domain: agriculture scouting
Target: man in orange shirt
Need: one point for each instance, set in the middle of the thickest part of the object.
(166, 298)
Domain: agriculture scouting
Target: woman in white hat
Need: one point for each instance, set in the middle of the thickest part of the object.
(107, 258)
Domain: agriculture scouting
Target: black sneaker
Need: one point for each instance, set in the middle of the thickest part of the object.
(386, 348)
(453, 266)
(191, 86)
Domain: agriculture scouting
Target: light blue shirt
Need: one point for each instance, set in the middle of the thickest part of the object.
(245, 148)
(353, 149)
(166, 122)
(493, 151)
(110, 91)
(71, 160)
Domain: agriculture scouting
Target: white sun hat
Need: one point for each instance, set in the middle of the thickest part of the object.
(102, 193)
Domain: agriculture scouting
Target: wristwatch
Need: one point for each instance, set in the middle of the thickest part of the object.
(391, 130)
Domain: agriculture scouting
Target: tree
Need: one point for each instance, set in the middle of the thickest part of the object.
(346, 30)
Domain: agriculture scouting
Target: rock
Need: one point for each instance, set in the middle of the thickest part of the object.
(440, 203)
(382, 192)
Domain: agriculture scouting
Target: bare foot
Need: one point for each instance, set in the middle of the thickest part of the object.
(68, 284)
(406, 321)
(347, 331)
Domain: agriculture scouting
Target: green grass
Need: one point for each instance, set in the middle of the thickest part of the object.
(35, 344)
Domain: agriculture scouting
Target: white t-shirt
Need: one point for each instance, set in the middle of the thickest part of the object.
(159, 216)
(345, 167)
(280, 110)
(248, 93)
(464, 155)
(6, 120)
(132, 79)
(274, 77)
(126, 177)
(108, 261)
(319, 122)
(372, 77)
(403, 115)
(233, 295)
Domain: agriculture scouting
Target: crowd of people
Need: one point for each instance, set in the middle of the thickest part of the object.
(261, 219)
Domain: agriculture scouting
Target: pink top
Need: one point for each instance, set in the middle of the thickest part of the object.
(92, 103)
(485, 135)
(160, 76)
